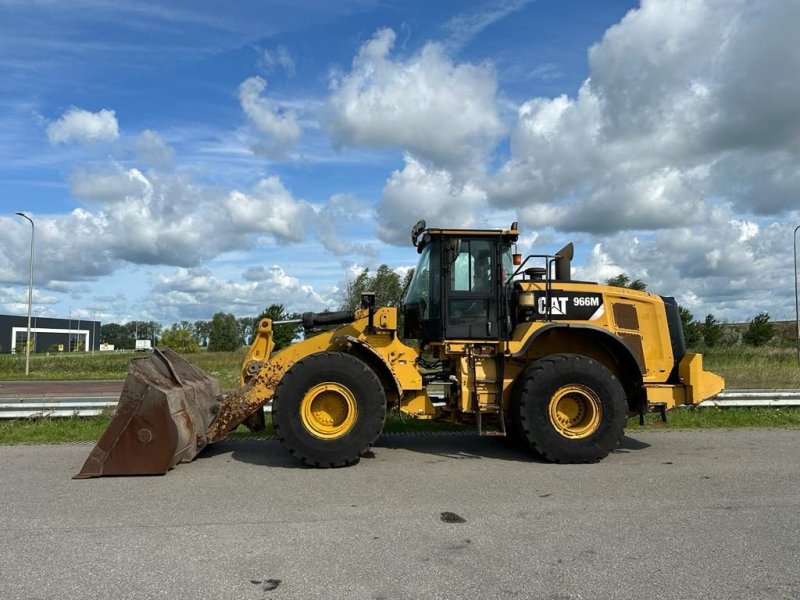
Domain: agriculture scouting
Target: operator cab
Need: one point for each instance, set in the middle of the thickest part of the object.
(458, 290)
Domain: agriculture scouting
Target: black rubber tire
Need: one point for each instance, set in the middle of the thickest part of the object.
(540, 382)
(347, 371)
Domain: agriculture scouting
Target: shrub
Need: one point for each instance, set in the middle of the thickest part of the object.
(712, 331)
(224, 334)
(760, 331)
(180, 340)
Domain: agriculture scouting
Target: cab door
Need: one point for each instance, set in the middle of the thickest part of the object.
(471, 284)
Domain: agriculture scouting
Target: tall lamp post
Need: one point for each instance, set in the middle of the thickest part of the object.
(796, 300)
(30, 299)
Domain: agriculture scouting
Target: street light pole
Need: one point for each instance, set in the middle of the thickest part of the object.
(30, 299)
(796, 300)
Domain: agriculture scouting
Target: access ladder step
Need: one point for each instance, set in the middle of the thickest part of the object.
(501, 431)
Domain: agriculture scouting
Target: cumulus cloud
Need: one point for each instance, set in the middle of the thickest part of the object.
(108, 185)
(438, 110)
(153, 151)
(727, 266)
(685, 102)
(198, 292)
(270, 208)
(78, 125)
(332, 227)
(418, 192)
(280, 126)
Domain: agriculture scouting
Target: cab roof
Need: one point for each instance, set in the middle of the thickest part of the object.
(421, 229)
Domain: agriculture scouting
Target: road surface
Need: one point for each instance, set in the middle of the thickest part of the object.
(58, 391)
(672, 515)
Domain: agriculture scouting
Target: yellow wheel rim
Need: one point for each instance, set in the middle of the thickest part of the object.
(328, 410)
(575, 411)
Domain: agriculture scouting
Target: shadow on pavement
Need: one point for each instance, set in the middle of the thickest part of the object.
(440, 446)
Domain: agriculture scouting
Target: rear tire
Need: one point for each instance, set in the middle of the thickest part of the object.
(328, 409)
(570, 409)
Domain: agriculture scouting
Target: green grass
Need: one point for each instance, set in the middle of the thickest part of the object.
(55, 431)
(722, 418)
(52, 431)
(748, 367)
(111, 365)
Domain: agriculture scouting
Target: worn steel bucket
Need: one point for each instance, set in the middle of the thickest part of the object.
(164, 412)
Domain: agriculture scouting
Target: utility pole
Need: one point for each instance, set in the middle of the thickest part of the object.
(796, 300)
(30, 300)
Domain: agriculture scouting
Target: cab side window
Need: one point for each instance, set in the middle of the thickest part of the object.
(471, 270)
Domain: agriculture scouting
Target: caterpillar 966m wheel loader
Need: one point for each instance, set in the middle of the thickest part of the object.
(514, 347)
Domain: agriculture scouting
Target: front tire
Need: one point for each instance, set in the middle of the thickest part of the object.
(328, 409)
(570, 409)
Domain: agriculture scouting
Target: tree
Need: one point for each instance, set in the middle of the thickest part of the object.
(246, 330)
(691, 328)
(760, 331)
(622, 280)
(224, 334)
(386, 283)
(711, 330)
(282, 335)
(180, 340)
(202, 330)
(114, 334)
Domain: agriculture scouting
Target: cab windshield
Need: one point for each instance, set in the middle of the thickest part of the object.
(419, 289)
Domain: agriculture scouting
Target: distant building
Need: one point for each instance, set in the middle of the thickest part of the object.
(48, 335)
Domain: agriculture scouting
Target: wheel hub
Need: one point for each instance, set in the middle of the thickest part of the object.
(575, 411)
(328, 410)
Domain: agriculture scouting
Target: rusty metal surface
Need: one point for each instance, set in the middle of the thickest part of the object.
(625, 316)
(241, 404)
(163, 413)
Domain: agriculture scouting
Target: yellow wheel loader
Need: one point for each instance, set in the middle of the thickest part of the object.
(513, 347)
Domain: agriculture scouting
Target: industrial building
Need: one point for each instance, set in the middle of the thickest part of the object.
(48, 334)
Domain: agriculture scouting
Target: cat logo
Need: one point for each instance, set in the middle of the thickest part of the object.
(558, 305)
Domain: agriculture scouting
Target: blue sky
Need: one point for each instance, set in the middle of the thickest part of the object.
(180, 158)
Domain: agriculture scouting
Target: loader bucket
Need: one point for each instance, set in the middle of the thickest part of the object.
(164, 411)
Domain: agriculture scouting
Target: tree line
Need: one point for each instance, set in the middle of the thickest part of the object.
(224, 332)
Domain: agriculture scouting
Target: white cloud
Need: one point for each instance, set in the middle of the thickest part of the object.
(438, 110)
(279, 57)
(198, 293)
(280, 126)
(334, 225)
(722, 266)
(422, 192)
(463, 28)
(78, 125)
(109, 185)
(270, 208)
(154, 151)
(685, 102)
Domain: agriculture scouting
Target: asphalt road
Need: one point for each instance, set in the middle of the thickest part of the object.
(43, 390)
(683, 515)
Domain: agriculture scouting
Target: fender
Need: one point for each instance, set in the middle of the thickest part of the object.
(373, 358)
(627, 359)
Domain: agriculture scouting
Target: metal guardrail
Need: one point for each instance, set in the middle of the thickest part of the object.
(38, 410)
(66, 409)
(93, 408)
(776, 398)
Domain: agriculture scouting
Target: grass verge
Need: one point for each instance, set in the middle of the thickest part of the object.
(56, 431)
